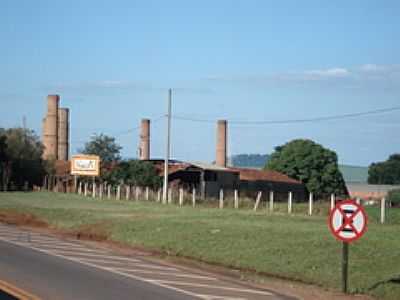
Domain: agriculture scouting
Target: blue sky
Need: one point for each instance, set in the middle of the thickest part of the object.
(113, 61)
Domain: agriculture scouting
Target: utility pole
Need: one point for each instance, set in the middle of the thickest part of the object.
(24, 122)
(166, 162)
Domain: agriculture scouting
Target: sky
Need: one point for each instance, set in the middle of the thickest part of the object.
(112, 63)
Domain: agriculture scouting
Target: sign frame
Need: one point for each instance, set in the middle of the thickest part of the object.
(95, 171)
(347, 220)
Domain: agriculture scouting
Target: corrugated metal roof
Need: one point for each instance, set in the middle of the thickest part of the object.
(176, 166)
(370, 188)
(210, 167)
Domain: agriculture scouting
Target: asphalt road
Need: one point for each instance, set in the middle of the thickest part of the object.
(53, 268)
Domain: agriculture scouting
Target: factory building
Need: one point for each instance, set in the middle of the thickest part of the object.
(209, 179)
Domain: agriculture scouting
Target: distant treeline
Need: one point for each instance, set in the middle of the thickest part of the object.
(249, 160)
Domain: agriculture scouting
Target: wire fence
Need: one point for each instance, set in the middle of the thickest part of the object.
(269, 202)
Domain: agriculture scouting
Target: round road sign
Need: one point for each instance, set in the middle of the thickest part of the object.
(347, 221)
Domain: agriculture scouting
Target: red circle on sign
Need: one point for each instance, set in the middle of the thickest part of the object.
(347, 221)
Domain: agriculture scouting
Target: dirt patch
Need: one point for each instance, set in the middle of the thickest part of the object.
(22, 219)
(98, 232)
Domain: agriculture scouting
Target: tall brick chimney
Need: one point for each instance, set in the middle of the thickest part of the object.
(144, 148)
(63, 134)
(221, 143)
(50, 128)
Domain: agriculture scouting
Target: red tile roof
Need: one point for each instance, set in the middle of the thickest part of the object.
(266, 175)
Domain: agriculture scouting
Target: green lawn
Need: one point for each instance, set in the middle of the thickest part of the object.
(296, 247)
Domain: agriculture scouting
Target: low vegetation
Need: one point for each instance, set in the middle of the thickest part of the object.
(295, 247)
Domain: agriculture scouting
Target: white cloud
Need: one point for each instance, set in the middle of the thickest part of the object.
(334, 72)
(323, 74)
(351, 76)
(373, 68)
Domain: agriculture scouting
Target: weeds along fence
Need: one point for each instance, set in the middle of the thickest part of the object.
(263, 201)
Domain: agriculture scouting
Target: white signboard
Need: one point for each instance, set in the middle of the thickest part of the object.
(86, 165)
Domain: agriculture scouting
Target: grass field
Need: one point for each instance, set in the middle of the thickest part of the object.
(296, 247)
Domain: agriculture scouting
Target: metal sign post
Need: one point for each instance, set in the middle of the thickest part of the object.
(345, 265)
(347, 222)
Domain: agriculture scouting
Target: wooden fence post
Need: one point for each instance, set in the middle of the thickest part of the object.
(383, 208)
(221, 198)
(194, 197)
(127, 192)
(101, 188)
(136, 193)
(169, 196)
(332, 201)
(271, 201)
(159, 195)
(94, 190)
(310, 204)
(290, 199)
(147, 193)
(109, 191)
(181, 197)
(236, 199)
(80, 188)
(258, 200)
(86, 189)
(119, 192)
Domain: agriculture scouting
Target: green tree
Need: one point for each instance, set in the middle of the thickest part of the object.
(312, 164)
(20, 157)
(3, 158)
(387, 172)
(107, 149)
(103, 146)
(394, 197)
(134, 172)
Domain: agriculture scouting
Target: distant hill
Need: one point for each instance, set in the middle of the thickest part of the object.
(249, 160)
(354, 173)
(350, 173)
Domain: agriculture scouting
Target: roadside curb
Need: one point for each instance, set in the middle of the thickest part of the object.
(16, 292)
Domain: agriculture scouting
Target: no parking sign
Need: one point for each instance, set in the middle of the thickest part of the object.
(348, 221)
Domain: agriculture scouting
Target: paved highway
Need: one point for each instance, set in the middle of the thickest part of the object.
(60, 269)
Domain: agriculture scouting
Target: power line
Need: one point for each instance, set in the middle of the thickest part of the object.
(155, 120)
(124, 132)
(291, 121)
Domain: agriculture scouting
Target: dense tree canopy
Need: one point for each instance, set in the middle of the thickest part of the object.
(134, 172)
(387, 172)
(107, 149)
(20, 158)
(312, 164)
(115, 171)
(3, 147)
(103, 146)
